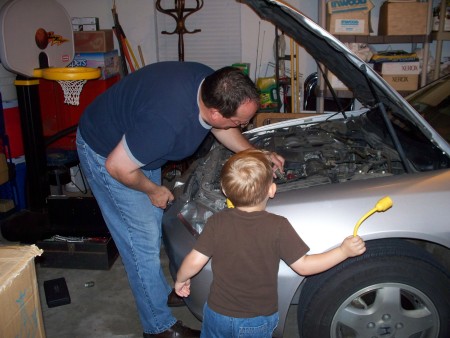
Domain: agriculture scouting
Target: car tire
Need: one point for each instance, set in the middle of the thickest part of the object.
(395, 289)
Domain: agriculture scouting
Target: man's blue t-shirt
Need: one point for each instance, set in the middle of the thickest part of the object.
(155, 109)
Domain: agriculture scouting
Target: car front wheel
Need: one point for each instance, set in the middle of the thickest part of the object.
(396, 289)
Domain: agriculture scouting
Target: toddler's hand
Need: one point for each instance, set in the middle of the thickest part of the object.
(183, 289)
(353, 246)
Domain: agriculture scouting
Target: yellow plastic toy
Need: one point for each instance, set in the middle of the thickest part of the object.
(382, 205)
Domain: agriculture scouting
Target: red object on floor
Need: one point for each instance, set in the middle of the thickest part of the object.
(57, 116)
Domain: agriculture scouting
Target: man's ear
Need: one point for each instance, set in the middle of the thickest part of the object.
(272, 190)
(215, 114)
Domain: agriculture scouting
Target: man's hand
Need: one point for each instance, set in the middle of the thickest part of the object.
(160, 197)
(278, 164)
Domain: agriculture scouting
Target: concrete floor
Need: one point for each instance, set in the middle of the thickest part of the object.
(106, 309)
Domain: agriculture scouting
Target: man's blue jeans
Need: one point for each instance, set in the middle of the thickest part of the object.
(216, 325)
(135, 225)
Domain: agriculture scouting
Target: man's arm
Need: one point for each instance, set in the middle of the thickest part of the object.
(126, 171)
(233, 139)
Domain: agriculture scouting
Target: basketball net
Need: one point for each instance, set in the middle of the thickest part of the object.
(72, 90)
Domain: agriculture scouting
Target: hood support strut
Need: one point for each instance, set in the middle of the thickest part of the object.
(391, 130)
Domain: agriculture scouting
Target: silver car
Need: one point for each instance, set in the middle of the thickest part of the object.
(338, 165)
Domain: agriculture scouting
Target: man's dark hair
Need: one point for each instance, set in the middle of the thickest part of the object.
(226, 89)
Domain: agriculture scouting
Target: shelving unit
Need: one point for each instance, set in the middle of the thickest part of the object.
(424, 39)
(440, 36)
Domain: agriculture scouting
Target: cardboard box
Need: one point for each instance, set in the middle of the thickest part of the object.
(403, 18)
(109, 62)
(402, 82)
(21, 314)
(402, 76)
(394, 68)
(349, 17)
(97, 253)
(339, 6)
(100, 41)
(352, 23)
(335, 82)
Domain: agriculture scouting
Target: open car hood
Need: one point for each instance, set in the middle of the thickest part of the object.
(367, 86)
(322, 46)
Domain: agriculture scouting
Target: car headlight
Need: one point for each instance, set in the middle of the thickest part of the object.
(194, 216)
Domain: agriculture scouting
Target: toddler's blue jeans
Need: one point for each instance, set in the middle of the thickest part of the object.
(216, 325)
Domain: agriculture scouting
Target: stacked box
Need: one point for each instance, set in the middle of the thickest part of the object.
(335, 82)
(108, 62)
(85, 24)
(100, 41)
(403, 18)
(402, 76)
(349, 17)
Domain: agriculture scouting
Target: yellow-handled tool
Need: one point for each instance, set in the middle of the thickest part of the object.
(382, 205)
(229, 204)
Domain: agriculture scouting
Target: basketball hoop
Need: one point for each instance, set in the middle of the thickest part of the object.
(71, 80)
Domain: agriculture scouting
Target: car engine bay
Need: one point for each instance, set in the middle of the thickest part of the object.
(331, 151)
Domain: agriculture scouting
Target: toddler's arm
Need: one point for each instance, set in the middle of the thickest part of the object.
(192, 264)
(312, 264)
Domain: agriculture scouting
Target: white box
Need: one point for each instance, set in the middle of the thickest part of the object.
(84, 28)
(84, 21)
(395, 68)
(335, 82)
(109, 62)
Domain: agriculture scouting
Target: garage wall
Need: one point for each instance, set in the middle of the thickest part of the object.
(138, 18)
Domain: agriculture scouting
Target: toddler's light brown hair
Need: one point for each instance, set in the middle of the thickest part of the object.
(246, 177)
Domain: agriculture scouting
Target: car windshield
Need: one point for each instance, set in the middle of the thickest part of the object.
(433, 103)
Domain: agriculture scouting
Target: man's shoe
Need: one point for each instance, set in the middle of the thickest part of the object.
(178, 330)
(173, 300)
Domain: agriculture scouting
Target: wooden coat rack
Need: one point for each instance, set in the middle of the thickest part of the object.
(180, 13)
